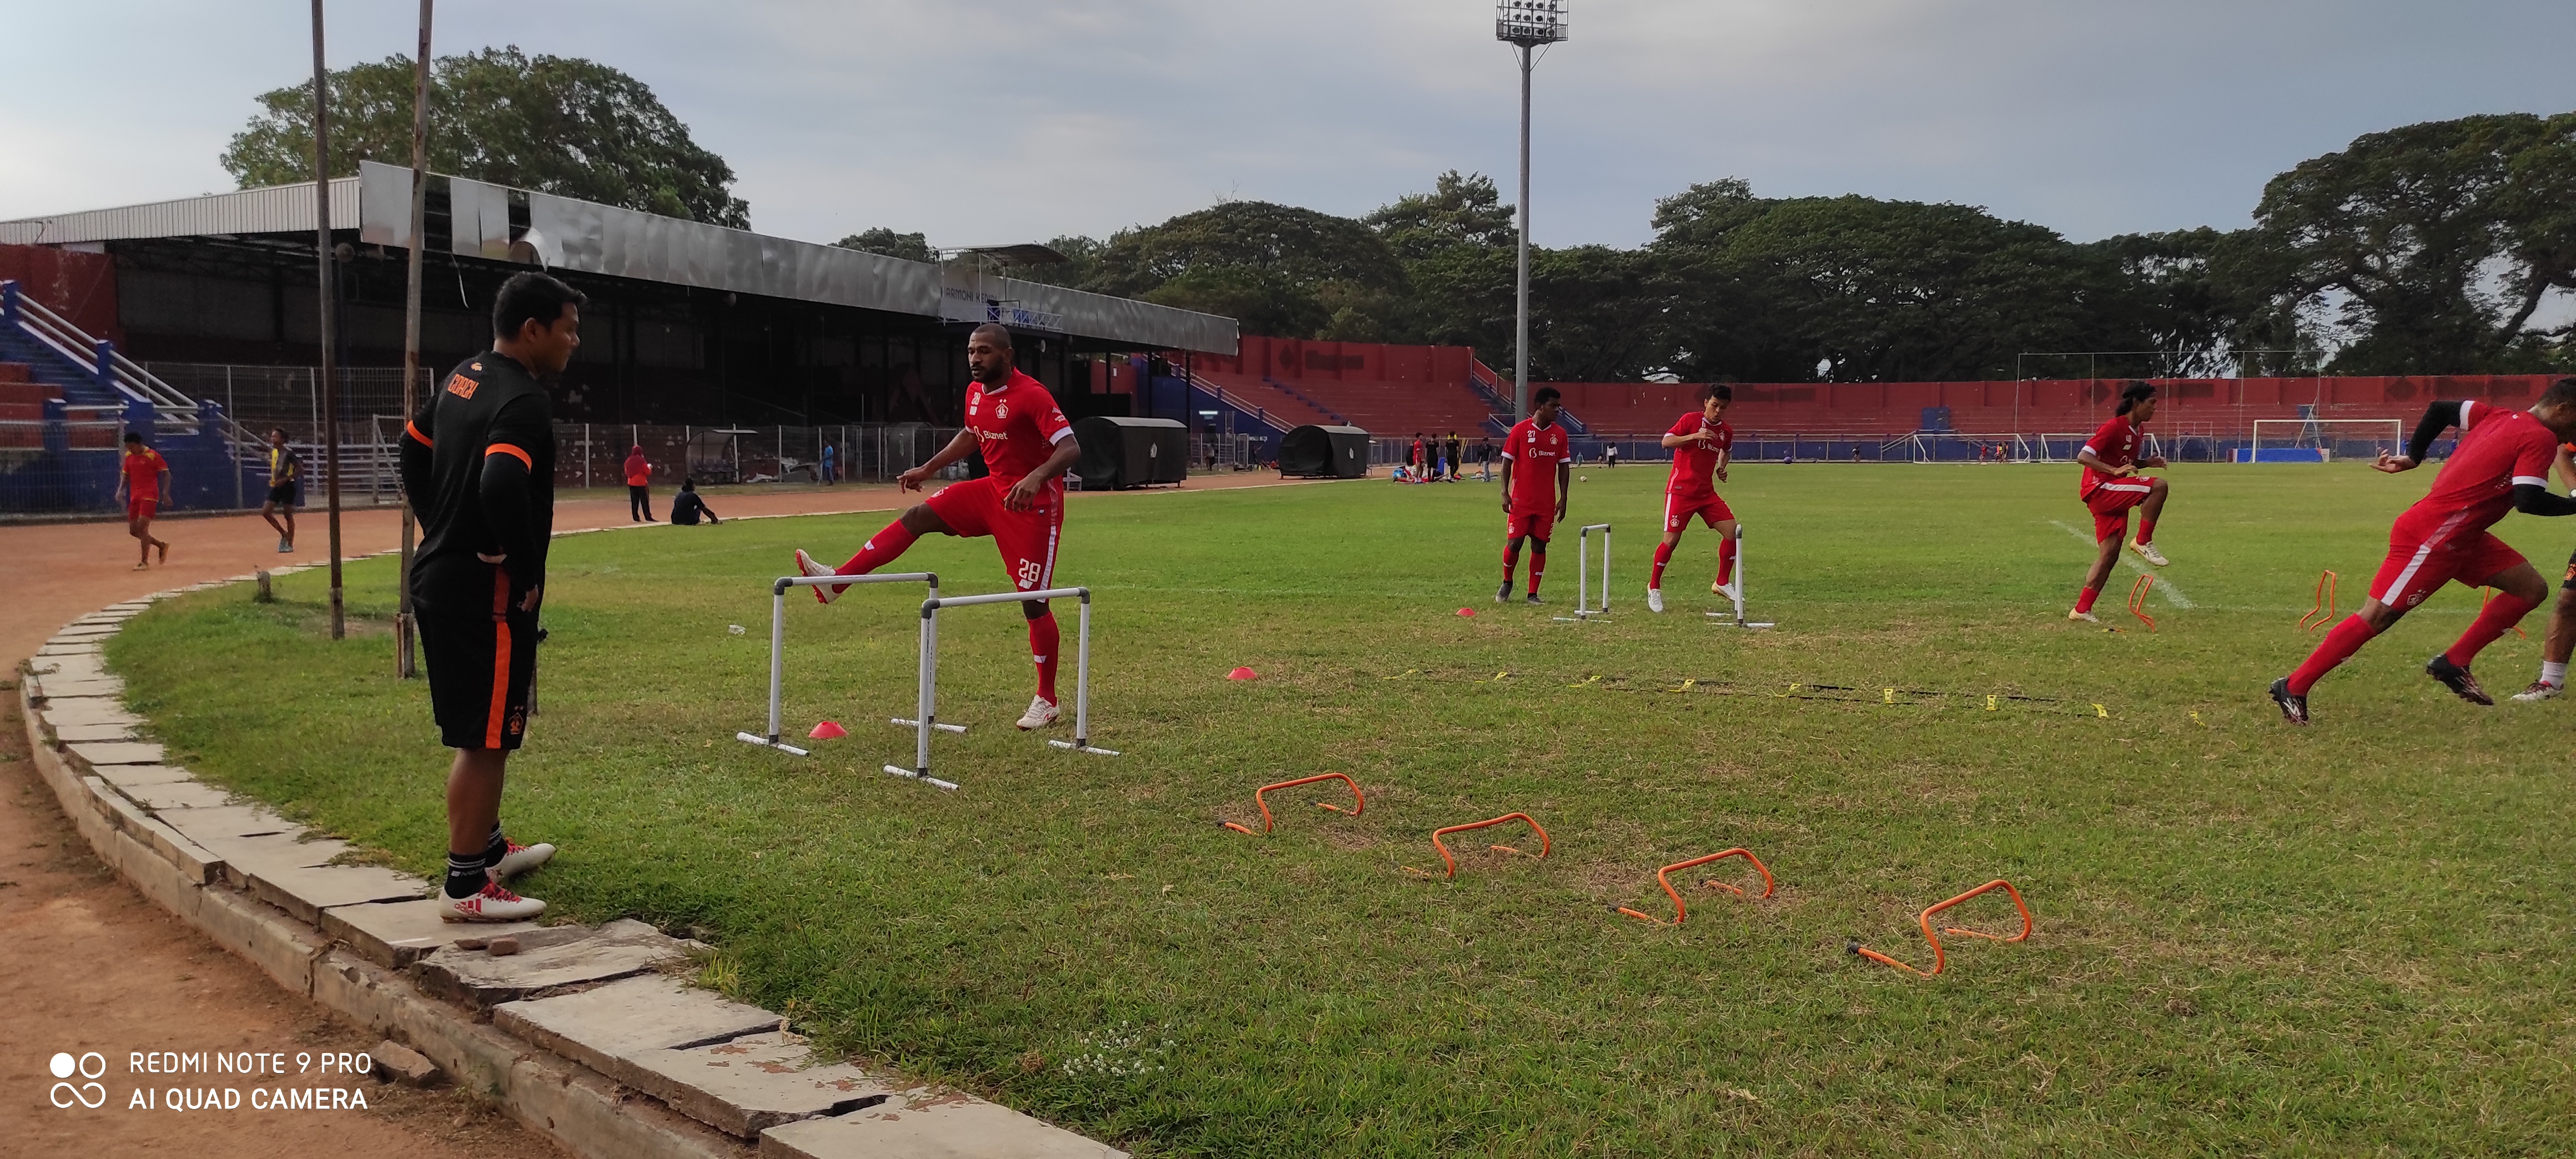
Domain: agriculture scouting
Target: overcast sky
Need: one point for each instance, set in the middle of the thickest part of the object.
(999, 122)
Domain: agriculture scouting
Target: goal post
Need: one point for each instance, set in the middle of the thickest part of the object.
(2322, 440)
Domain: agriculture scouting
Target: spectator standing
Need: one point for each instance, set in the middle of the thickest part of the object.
(639, 483)
(830, 474)
(143, 478)
(687, 506)
(1610, 455)
(1456, 465)
(281, 490)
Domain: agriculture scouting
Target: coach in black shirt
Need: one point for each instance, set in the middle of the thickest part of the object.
(478, 463)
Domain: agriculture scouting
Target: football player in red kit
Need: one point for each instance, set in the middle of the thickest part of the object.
(1028, 446)
(1538, 476)
(2112, 486)
(2501, 464)
(1702, 444)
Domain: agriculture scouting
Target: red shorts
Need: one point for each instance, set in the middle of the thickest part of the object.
(140, 508)
(1678, 511)
(2111, 503)
(2421, 559)
(1532, 524)
(1026, 538)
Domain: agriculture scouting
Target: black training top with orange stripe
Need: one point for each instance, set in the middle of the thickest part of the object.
(478, 461)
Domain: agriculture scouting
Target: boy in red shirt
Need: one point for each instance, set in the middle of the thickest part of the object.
(1702, 444)
(1538, 477)
(143, 478)
(2501, 464)
(2112, 486)
(1028, 445)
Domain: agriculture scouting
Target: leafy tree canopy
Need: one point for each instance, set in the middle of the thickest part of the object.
(908, 246)
(554, 124)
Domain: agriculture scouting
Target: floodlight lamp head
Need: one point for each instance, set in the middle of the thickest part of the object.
(1530, 22)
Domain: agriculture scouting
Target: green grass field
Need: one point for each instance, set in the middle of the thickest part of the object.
(2251, 939)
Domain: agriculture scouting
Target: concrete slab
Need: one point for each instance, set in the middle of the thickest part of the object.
(132, 777)
(52, 687)
(306, 890)
(601, 1027)
(928, 1126)
(69, 667)
(118, 752)
(186, 793)
(61, 709)
(394, 934)
(750, 1084)
(234, 822)
(619, 949)
(69, 648)
(94, 733)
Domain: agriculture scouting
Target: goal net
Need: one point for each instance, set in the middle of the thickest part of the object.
(2322, 440)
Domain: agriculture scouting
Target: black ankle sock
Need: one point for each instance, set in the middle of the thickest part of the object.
(465, 876)
(497, 848)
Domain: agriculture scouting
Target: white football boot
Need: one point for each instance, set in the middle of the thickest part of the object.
(1041, 713)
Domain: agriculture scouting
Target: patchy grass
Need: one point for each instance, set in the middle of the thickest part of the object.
(2250, 939)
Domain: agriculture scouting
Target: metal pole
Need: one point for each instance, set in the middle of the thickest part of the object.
(326, 290)
(777, 650)
(404, 667)
(1520, 341)
(1082, 678)
(927, 705)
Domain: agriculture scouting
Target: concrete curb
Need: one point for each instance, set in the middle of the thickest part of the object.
(582, 1036)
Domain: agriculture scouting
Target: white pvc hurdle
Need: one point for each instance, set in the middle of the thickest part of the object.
(927, 717)
(1583, 609)
(778, 641)
(1735, 591)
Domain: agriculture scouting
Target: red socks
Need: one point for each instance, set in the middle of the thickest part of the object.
(1511, 561)
(1726, 561)
(2146, 530)
(2503, 611)
(1538, 567)
(2084, 602)
(1663, 555)
(2338, 646)
(1043, 639)
(880, 549)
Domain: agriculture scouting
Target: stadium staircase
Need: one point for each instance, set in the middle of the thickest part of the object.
(90, 378)
(1488, 385)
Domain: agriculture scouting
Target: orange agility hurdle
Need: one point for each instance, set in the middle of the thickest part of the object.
(2138, 600)
(1358, 802)
(2324, 611)
(1938, 959)
(1436, 834)
(1681, 913)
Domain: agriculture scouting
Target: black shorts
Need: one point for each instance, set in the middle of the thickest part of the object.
(480, 668)
(282, 494)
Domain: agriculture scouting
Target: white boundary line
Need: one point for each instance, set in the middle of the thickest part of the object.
(2173, 595)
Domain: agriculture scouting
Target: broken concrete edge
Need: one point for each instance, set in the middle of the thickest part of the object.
(582, 1110)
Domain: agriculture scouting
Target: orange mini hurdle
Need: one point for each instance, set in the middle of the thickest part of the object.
(2324, 611)
(1436, 834)
(1358, 802)
(2138, 600)
(1681, 913)
(1938, 959)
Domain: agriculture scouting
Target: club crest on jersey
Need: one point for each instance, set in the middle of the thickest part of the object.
(1001, 412)
(461, 386)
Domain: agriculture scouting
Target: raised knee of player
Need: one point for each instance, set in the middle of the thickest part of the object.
(919, 519)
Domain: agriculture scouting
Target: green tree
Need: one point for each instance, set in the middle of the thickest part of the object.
(1277, 269)
(1459, 211)
(555, 124)
(908, 246)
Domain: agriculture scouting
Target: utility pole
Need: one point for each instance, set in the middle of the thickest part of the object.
(327, 291)
(404, 668)
(1526, 25)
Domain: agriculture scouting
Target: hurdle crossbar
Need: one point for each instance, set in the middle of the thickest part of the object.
(926, 717)
(1583, 609)
(778, 639)
(1734, 592)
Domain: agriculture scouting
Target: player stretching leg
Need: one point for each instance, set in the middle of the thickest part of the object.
(1702, 444)
(1028, 446)
(2560, 640)
(2501, 465)
(2112, 486)
(1533, 495)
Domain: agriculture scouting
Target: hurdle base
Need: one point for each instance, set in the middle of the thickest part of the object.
(767, 743)
(923, 777)
(1082, 747)
(942, 726)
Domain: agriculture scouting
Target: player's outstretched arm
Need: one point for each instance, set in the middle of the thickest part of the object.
(957, 448)
(2534, 499)
(2439, 416)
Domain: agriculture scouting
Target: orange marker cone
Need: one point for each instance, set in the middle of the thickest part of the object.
(828, 731)
(1243, 674)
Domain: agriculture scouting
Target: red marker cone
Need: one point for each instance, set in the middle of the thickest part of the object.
(1468, 612)
(828, 731)
(1243, 674)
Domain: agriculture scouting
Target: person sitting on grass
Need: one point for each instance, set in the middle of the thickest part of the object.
(686, 506)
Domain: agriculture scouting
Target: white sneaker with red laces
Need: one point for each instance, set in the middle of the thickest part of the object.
(492, 904)
(823, 593)
(1041, 713)
(520, 859)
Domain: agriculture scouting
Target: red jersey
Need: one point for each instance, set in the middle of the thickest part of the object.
(1017, 426)
(143, 474)
(1535, 452)
(1695, 464)
(2116, 444)
(2498, 448)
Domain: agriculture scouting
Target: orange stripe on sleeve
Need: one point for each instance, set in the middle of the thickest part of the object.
(414, 432)
(494, 716)
(507, 449)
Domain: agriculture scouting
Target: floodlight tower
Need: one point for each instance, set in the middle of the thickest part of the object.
(1526, 24)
